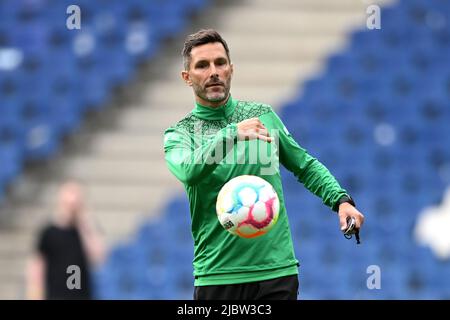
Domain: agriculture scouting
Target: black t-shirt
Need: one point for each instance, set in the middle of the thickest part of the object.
(62, 248)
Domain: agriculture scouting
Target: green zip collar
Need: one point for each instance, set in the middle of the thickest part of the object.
(217, 113)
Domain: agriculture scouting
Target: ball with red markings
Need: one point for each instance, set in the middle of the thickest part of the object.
(248, 206)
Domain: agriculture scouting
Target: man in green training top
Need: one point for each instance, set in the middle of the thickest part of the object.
(198, 150)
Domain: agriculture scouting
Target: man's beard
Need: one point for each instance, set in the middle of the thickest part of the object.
(212, 96)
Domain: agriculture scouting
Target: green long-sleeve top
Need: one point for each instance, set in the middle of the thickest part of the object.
(203, 151)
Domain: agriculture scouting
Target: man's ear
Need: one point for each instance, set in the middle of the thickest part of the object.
(232, 69)
(186, 77)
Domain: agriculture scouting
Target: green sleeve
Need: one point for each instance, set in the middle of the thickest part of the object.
(193, 157)
(308, 170)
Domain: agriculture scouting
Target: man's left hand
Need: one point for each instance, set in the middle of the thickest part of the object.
(347, 210)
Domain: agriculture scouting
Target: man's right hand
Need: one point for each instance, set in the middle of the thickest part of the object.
(250, 129)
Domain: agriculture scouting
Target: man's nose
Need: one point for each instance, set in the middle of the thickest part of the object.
(213, 70)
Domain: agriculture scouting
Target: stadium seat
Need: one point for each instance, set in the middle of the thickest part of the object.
(377, 117)
(377, 83)
(65, 74)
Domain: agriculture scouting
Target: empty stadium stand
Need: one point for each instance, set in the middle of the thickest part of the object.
(372, 105)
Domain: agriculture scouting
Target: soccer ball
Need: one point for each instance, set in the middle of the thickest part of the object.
(247, 206)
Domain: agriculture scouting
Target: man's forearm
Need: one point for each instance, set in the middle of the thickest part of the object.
(318, 179)
(92, 241)
(196, 159)
(35, 288)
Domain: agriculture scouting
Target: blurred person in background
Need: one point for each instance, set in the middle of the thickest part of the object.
(71, 239)
(228, 267)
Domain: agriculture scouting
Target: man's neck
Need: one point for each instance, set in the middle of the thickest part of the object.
(211, 104)
(63, 220)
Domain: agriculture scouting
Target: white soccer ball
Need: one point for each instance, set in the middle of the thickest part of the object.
(247, 206)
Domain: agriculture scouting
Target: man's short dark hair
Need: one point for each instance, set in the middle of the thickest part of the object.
(199, 38)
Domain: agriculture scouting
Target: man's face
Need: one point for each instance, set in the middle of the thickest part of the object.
(209, 74)
(70, 201)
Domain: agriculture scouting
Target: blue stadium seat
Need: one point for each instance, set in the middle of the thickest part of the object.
(397, 76)
(376, 83)
(10, 158)
(68, 73)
